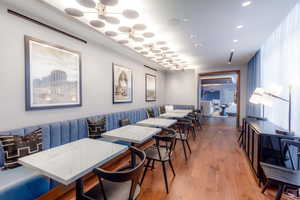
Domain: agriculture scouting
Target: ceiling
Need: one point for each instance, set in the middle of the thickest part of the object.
(199, 32)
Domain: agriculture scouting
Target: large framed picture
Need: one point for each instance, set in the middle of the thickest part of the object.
(122, 84)
(52, 75)
(150, 87)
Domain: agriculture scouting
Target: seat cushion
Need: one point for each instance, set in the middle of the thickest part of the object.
(113, 191)
(22, 183)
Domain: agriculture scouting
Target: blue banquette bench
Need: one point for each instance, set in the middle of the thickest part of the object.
(24, 184)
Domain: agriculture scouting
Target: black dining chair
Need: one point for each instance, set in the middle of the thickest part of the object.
(124, 122)
(162, 109)
(150, 113)
(193, 125)
(182, 134)
(282, 176)
(161, 152)
(121, 185)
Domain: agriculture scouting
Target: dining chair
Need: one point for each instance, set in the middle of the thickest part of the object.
(124, 122)
(162, 109)
(121, 185)
(282, 176)
(150, 113)
(182, 134)
(161, 152)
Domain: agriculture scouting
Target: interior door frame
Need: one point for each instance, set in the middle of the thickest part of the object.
(238, 93)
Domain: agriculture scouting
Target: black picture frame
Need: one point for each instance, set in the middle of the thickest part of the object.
(28, 88)
(146, 88)
(114, 100)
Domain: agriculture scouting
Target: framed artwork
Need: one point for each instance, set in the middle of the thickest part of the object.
(52, 75)
(150, 87)
(122, 84)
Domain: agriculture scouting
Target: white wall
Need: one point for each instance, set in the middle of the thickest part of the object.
(96, 76)
(181, 87)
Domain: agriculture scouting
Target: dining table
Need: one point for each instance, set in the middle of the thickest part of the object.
(157, 122)
(70, 162)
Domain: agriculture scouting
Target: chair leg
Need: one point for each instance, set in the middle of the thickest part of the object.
(165, 176)
(145, 171)
(171, 165)
(184, 150)
(175, 144)
(265, 186)
(280, 191)
(194, 133)
(187, 142)
(153, 162)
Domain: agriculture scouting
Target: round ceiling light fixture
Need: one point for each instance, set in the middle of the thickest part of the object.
(87, 3)
(144, 52)
(161, 43)
(130, 14)
(138, 48)
(138, 39)
(97, 23)
(148, 35)
(111, 33)
(112, 20)
(74, 12)
(109, 2)
(123, 41)
(165, 48)
(139, 27)
(125, 29)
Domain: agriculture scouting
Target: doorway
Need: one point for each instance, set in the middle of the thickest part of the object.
(219, 95)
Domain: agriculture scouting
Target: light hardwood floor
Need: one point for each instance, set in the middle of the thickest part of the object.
(216, 170)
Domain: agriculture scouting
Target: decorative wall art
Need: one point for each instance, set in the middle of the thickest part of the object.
(52, 74)
(150, 87)
(122, 84)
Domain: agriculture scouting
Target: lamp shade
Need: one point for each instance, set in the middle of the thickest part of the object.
(259, 96)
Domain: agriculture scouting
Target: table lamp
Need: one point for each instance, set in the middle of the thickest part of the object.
(264, 97)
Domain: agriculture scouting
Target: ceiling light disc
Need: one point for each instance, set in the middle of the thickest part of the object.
(74, 12)
(174, 56)
(87, 3)
(97, 23)
(161, 43)
(165, 48)
(130, 14)
(139, 27)
(169, 52)
(156, 51)
(144, 52)
(123, 41)
(112, 20)
(111, 33)
(148, 35)
(109, 2)
(138, 48)
(138, 39)
(125, 29)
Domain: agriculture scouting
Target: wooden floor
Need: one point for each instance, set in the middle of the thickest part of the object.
(216, 170)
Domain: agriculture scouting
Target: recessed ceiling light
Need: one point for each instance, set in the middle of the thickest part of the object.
(239, 26)
(246, 3)
(235, 41)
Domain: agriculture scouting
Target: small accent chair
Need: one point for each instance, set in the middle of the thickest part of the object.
(124, 122)
(150, 113)
(182, 134)
(281, 176)
(121, 185)
(161, 152)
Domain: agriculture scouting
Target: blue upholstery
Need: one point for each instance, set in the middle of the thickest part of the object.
(21, 183)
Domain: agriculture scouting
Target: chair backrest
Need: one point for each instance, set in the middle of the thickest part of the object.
(165, 140)
(162, 109)
(124, 122)
(291, 148)
(132, 174)
(150, 113)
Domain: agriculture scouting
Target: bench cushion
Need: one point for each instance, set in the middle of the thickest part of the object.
(22, 183)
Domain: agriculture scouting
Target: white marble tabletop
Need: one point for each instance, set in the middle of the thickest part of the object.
(131, 133)
(173, 115)
(157, 122)
(180, 111)
(69, 162)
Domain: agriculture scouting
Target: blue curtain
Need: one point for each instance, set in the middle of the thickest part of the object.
(254, 81)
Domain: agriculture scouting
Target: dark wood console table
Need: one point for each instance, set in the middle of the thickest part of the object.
(255, 136)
